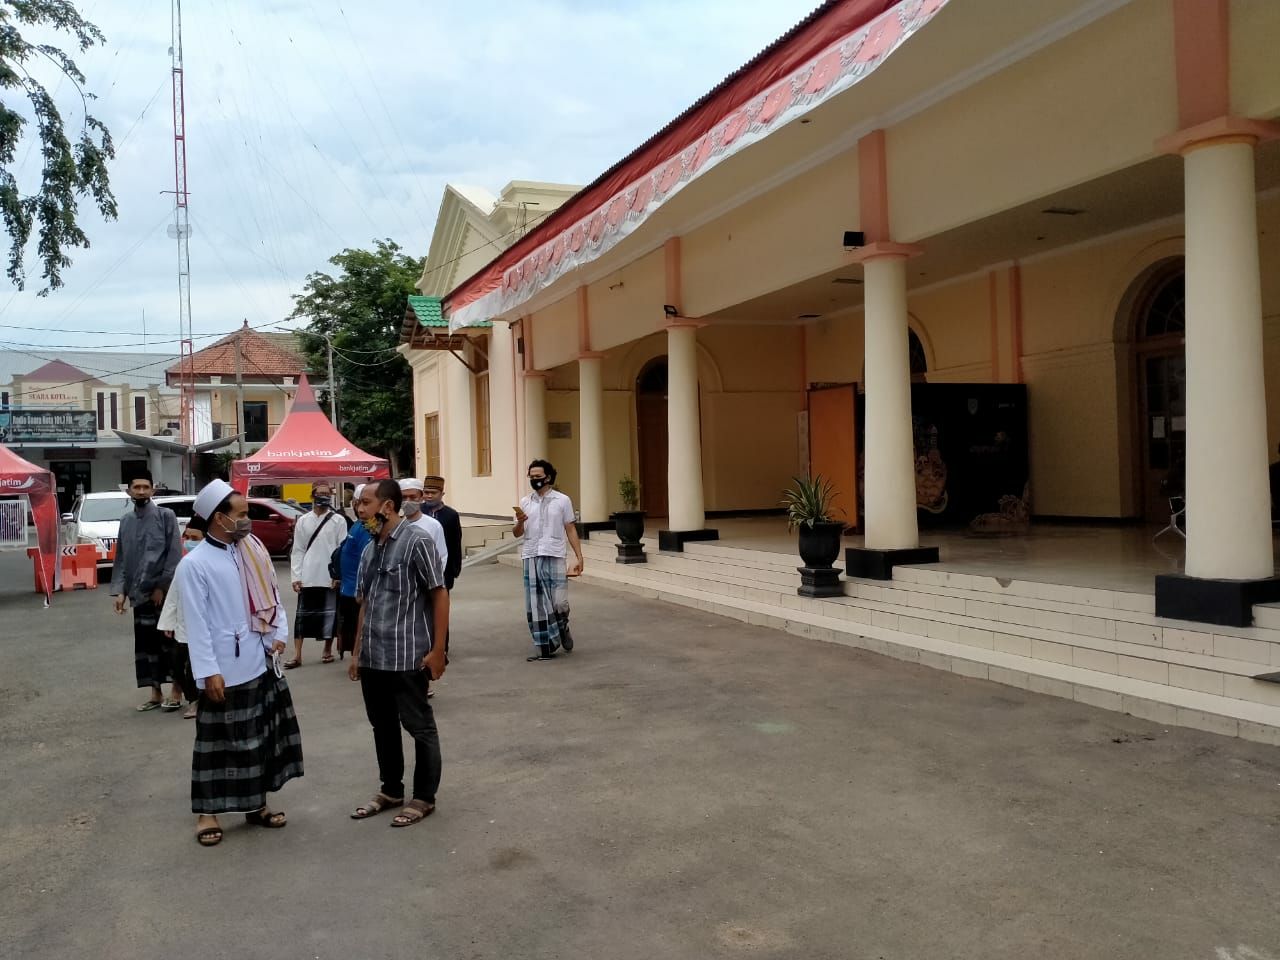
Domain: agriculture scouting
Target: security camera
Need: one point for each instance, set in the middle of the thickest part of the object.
(853, 239)
(670, 311)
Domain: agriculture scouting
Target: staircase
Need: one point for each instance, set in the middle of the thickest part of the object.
(1100, 647)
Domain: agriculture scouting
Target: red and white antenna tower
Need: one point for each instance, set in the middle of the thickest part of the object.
(181, 231)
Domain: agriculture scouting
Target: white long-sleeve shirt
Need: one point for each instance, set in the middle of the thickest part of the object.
(432, 528)
(312, 566)
(215, 612)
(171, 618)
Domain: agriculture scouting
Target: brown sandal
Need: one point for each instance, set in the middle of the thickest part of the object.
(379, 803)
(209, 836)
(414, 811)
(271, 819)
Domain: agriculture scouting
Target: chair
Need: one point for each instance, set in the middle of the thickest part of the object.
(1177, 518)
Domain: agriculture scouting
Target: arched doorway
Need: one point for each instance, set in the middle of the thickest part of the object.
(1159, 347)
(651, 426)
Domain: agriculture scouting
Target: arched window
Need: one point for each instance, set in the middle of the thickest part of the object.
(1166, 313)
(919, 363)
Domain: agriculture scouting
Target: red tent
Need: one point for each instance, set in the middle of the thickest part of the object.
(20, 478)
(307, 447)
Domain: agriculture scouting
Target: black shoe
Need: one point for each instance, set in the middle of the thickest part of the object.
(566, 640)
(540, 656)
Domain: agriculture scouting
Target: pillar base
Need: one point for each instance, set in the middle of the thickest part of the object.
(674, 540)
(631, 553)
(820, 582)
(585, 527)
(879, 564)
(1228, 603)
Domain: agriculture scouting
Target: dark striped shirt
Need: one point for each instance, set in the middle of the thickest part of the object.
(396, 577)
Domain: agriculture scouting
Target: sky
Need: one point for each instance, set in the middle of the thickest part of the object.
(320, 125)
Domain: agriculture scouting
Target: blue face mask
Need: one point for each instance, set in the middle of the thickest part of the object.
(189, 545)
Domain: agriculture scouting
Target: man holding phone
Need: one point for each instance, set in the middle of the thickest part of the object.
(404, 607)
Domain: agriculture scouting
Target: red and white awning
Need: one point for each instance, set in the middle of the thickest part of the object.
(832, 54)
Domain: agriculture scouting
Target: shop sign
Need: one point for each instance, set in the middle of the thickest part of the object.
(48, 426)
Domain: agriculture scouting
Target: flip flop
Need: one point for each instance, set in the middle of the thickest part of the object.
(148, 705)
(209, 836)
(169, 706)
(293, 663)
(328, 659)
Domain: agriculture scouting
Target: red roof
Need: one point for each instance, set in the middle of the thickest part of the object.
(260, 357)
(56, 371)
(787, 53)
(307, 447)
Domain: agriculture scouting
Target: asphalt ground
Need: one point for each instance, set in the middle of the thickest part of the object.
(682, 786)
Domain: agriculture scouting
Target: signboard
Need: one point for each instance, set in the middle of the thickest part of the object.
(48, 426)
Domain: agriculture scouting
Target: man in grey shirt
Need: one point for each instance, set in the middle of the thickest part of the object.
(147, 553)
(403, 607)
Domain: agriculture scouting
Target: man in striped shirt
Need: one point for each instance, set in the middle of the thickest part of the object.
(403, 606)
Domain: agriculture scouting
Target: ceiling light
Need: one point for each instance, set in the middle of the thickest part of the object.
(809, 316)
(852, 281)
(1063, 211)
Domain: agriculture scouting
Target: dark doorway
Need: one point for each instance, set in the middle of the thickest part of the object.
(255, 423)
(72, 477)
(651, 424)
(1160, 349)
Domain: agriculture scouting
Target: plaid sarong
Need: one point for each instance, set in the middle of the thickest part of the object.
(246, 747)
(317, 613)
(546, 601)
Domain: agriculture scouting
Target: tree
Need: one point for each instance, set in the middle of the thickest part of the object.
(361, 311)
(69, 171)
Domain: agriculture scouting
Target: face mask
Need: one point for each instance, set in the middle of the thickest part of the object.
(411, 508)
(140, 502)
(374, 523)
(240, 529)
(189, 545)
(325, 502)
(538, 482)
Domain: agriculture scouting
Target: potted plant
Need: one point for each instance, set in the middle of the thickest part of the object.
(629, 522)
(808, 506)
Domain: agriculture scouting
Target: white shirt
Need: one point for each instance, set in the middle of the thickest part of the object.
(215, 612)
(547, 514)
(171, 618)
(432, 528)
(312, 566)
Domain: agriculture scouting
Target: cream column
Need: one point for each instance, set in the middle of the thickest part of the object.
(890, 508)
(684, 433)
(593, 494)
(1228, 495)
(535, 415)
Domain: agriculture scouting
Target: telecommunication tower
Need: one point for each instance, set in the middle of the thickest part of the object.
(180, 230)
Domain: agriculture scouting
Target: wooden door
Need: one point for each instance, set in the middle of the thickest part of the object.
(651, 425)
(1163, 399)
(833, 452)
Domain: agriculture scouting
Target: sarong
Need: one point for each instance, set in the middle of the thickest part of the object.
(153, 652)
(546, 601)
(317, 611)
(246, 747)
(348, 617)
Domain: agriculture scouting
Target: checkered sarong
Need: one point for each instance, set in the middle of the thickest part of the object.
(246, 747)
(546, 601)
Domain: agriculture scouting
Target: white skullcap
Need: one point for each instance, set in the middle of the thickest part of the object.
(355, 494)
(410, 483)
(214, 493)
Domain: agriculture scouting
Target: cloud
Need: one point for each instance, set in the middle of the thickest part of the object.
(315, 126)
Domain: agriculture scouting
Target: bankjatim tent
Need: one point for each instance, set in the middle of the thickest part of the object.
(18, 478)
(307, 447)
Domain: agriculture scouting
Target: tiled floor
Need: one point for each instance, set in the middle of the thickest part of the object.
(1105, 557)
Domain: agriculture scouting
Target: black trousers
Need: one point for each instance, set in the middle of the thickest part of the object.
(393, 699)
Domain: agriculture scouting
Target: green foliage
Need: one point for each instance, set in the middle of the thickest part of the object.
(69, 171)
(361, 310)
(629, 492)
(808, 502)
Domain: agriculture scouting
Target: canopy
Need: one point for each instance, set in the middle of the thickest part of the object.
(307, 447)
(23, 479)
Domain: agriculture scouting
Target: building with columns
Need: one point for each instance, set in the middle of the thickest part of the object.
(1076, 201)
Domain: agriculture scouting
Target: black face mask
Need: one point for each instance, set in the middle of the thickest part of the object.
(140, 503)
(538, 482)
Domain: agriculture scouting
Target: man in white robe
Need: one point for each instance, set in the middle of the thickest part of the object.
(247, 738)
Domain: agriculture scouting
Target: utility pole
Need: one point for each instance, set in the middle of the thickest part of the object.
(240, 390)
(333, 387)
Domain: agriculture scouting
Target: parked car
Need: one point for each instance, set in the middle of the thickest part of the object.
(95, 518)
(183, 507)
(273, 522)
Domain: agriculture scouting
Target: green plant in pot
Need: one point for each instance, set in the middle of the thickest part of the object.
(809, 508)
(629, 522)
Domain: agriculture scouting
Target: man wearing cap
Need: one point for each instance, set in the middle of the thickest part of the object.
(433, 506)
(247, 739)
(316, 535)
(411, 490)
(345, 574)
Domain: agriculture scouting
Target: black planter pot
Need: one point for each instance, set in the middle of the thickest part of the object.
(629, 525)
(820, 544)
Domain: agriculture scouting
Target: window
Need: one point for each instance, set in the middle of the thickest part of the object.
(4, 399)
(102, 407)
(484, 445)
(139, 413)
(108, 410)
(255, 423)
(431, 440)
